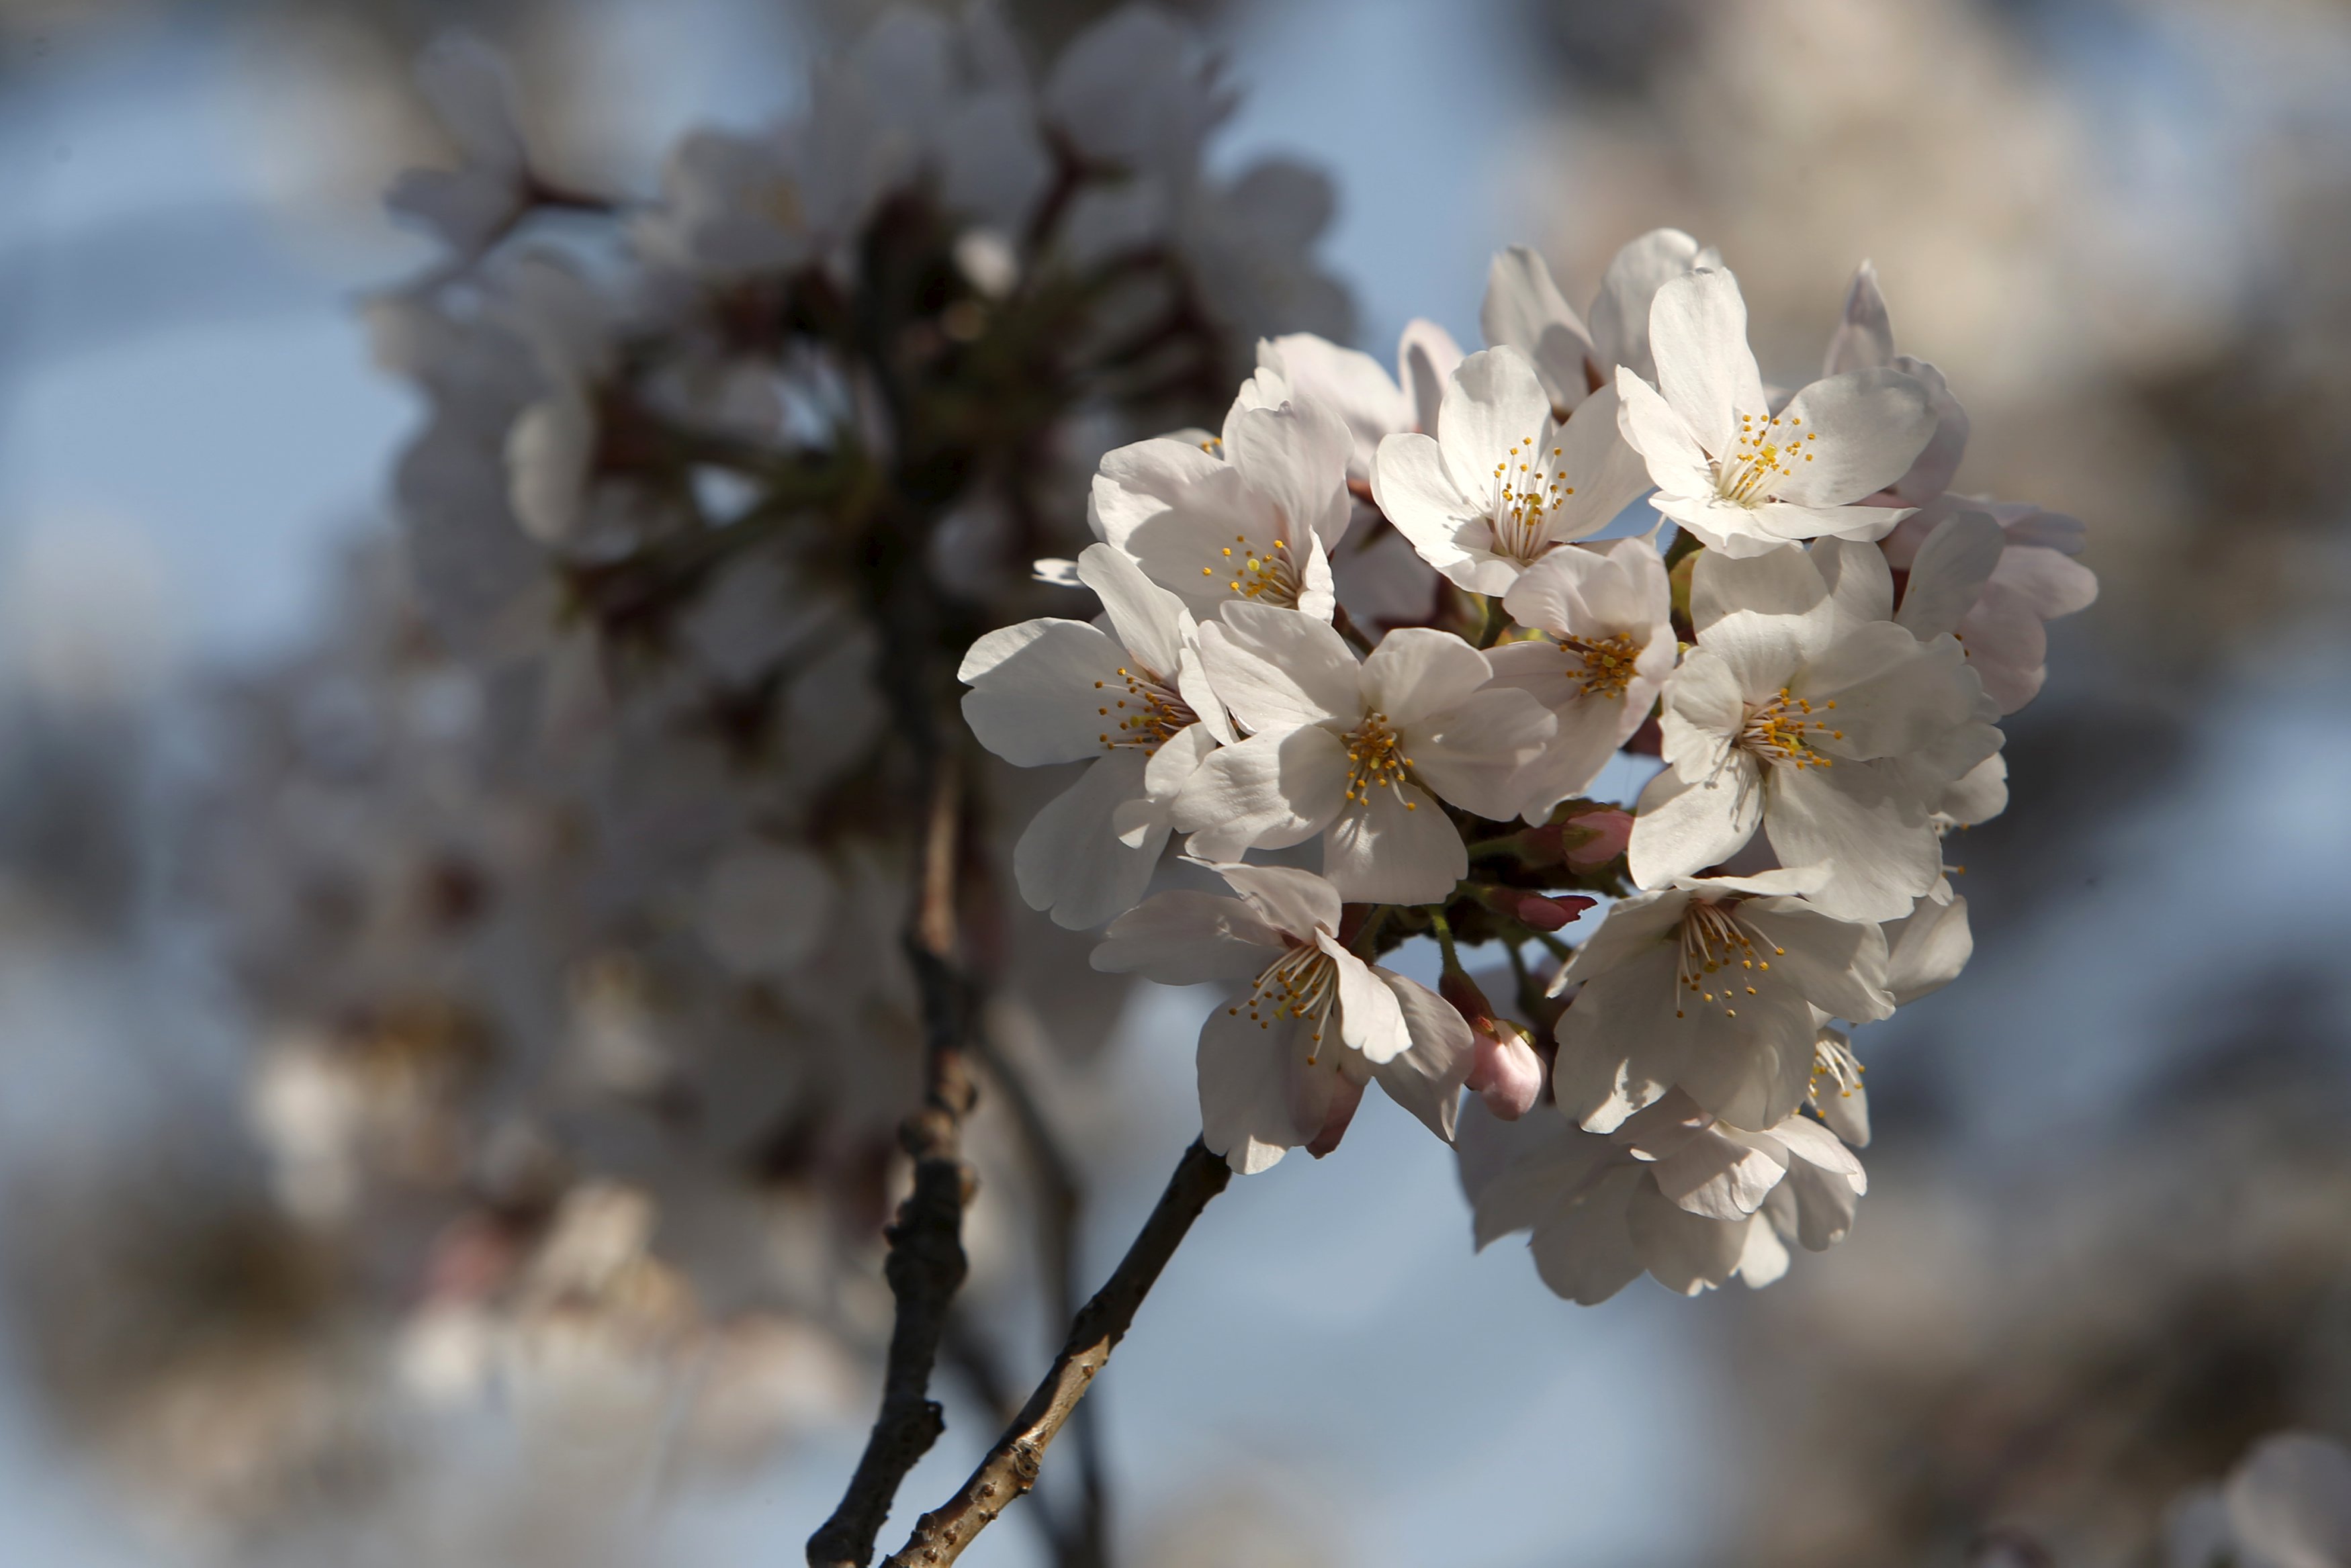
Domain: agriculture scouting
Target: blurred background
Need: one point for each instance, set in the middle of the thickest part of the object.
(2108, 1239)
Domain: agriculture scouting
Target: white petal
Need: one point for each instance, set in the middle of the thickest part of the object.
(1172, 765)
(1268, 792)
(1668, 444)
(1036, 688)
(1185, 937)
(1683, 823)
(1139, 481)
(1684, 1252)
(1926, 950)
(1371, 1018)
(1494, 403)
(1524, 309)
(1783, 581)
(1602, 472)
(1418, 496)
(1880, 851)
(1072, 859)
(1289, 899)
(1418, 670)
(1697, 330)
(1620, 314)
(1472, 753)
(1426, 1078)
(1861, 431)
(2290, 1501)
(1394, 847)
(1859, 581)
(1427, 356)
(1863, 338)
(1585, 1251)
(1296, 457)
(1245, 1099)
(1839, 966)
(1949, 573)
(1147, 618)
(1277, 668)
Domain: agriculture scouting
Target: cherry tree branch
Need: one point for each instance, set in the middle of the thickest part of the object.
(927, 1264)
(1011, 1467)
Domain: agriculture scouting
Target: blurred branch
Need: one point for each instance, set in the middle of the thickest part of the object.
(1011, 1467)
(927, 1263)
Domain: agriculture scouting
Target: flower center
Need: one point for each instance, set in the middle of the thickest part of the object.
(1607, 662)
(1269, 576)
(1375, 760)
(1148, 715)
(1781, 730)
(1303, 986)
(1750, 473)
(1714, 938)
(1524, 499)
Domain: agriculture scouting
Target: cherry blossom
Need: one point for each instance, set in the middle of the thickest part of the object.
(1739, 476)
(1359, 751)
(1284, 1066)
(1524, 309)
(1136, 700)
(1709, 986)
(1504, 481)
(1835, 734)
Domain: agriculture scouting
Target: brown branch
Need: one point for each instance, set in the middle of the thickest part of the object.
(1060, 1204)
(927, 1264)
(1011, 1466)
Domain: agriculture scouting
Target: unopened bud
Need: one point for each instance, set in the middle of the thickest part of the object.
(1540, 913)
(1610, 831)
(1504, 1070)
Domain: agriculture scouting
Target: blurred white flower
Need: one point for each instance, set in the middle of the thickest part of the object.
(2287, 1505)
(472, 206)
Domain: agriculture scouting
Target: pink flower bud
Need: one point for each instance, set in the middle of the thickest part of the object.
(1505, 1071)
(1610, 831)
(1539, 913)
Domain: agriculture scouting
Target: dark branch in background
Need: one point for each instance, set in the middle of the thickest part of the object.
(927, 1264)
(1011, 1467)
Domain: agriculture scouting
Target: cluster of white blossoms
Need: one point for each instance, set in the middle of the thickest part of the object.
(1395, 630)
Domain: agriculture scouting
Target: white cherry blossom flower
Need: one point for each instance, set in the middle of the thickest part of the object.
(1606, 615)
(1252, 515)
(1992, 575)
(1838, 736)
(471, 207)
(1672, 1191)
(1524, 309)
(1504, 481)
(1135, 699)
(1744, 479)
(1358, 388)
(1864, 340)
(1364, 751)
(1709, 986)
(1284, 1066)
